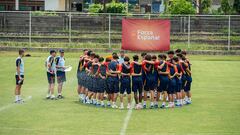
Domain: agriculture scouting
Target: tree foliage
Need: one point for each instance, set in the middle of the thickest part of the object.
(225, 7)
(236, 6)
(181, 7)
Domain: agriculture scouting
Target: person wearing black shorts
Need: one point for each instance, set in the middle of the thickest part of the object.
(19, 76)
(51, 70)
(61, 77)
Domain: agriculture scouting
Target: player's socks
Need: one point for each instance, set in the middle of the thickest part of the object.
(102, 104)
(156, 104)
(140, 105)
(114, 105)
(16, 97)
(151, 105)
(129, 106)
(121, 106)
(108, 104)
(161, 97)
(94, 102)
(163, 105)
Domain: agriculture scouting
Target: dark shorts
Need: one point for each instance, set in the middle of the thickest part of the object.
(61, 77)
(102, 83)
(150, 83)
(184, 81)
(187, 87)
(51, 78)
(137, 84)
(113, 85)
(172, 86)
(95, 85)
(17, 80)
(79, 77)
(125, 85)
(89, 83)
(179, 85)
(164, 80)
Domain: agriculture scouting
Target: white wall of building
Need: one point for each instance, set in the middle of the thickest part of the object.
(55, 5)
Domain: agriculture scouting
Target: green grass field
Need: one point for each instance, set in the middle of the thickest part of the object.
(215, 109)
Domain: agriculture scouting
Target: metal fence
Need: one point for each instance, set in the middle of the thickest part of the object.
(84, 30)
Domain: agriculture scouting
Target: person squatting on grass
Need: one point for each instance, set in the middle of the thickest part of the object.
(167, 79)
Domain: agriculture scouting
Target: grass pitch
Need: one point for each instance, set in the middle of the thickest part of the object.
(215, 109)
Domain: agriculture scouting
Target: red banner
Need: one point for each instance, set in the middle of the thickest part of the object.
(145, 35)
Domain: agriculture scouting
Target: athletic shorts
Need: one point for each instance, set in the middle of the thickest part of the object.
(102, 85)
(79, 77)
(187, 87)
(61, 77)
(51, 78)
(90, 83)
(95, 85)
(179, 85)
(125, 85)
(184, 81)
(137, 84)
(17, 80)
(113, 84)
(150, 83)
(164, 81)
(83, 79)
(172, 86)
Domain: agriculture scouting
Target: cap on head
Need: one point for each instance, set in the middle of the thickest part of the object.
(61, 51)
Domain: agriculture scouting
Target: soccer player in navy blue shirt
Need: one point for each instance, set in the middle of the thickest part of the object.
(113, 79)
(137, 83)
(125, 70)
(19, 76)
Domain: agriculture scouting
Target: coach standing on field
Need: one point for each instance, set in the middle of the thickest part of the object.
(51, 70)
(61, 77)
(19, 76)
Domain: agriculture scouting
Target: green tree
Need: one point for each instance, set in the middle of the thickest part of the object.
(236, 6)
(225, 7)
(181, 7)
(205, 5)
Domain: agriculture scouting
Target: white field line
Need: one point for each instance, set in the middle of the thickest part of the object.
(13, 104)
(126, 120)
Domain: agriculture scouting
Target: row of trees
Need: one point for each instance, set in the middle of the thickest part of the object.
(175, 7)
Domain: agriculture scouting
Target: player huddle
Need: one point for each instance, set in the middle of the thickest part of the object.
(163, 77)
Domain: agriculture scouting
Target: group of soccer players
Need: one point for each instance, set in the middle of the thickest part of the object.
(163, 77)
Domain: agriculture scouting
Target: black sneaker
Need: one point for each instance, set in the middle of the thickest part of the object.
(60, 97)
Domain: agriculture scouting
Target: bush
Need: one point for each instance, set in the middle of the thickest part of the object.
(114, 7)
(96, 8)
(181, 7)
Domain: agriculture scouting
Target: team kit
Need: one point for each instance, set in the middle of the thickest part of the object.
(164, 79)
